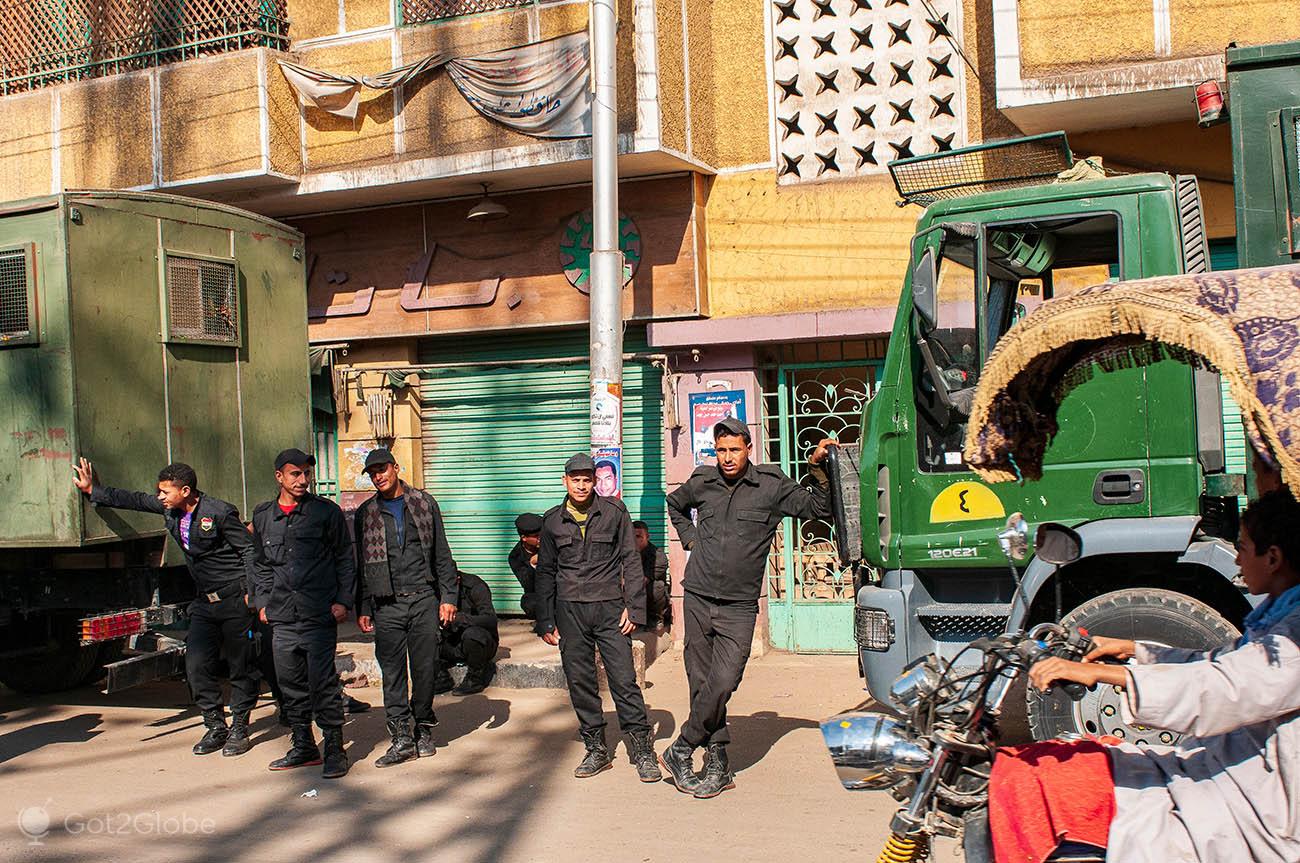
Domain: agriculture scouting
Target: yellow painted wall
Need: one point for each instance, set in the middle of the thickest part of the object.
(284, 133)
(1200, 28)
(363, 14)
(837, 245)
(672, 74)
(727, 50)
(106, 135)
(1067, 35)
(211, 117)
(312, 19)
(336, 142)
(354, 432)
(25, 165)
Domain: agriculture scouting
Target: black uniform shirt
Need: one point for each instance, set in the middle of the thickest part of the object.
(475, 608)
(593, 565)
(523, 569)
(304, 560)
(220, 551)
(736, 522)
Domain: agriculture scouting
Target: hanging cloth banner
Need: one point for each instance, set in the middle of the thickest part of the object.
(538, 89)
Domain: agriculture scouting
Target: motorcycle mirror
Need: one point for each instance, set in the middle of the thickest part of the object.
(1057, 544)
(1014, 539)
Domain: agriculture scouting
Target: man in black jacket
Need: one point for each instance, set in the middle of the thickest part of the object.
(590, 589)
(739, 505)
(654, 565)
(305, 584)
(471, 639)
(219, 553)
(408, 586)
(523, 560)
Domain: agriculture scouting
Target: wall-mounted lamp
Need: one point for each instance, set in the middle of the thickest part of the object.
(487, 209)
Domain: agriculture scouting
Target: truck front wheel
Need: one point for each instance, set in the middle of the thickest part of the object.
(1142, 614)
(69, 666)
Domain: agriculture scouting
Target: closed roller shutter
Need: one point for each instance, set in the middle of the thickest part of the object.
(496, 437)
(1236, 451)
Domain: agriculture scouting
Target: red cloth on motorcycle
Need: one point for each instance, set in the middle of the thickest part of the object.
(1046, 793)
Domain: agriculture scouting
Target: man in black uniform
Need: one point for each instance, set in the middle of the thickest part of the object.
(654, 564)
(590, 588)
(305, 584)
(739, 506)
(406, 566)
(471, 639)
(523, 560)
(219, 553)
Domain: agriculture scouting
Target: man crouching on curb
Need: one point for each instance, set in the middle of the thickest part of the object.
(590, 587)
(406, 565)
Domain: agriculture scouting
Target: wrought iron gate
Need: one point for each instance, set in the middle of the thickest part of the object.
(810, 597)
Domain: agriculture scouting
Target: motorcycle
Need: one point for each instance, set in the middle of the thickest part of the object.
(936, 754)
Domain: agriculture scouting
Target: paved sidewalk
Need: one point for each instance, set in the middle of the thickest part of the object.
(115, 780)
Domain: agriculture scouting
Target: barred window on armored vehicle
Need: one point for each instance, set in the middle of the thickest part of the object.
(17, 296)
(202, 300)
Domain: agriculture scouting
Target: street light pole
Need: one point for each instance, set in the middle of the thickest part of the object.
(606, 303)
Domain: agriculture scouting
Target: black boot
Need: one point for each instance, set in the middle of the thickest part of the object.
(677, 762)
(598, 755)
(640, 751)
(336, 760)
(216, 735)
(717, 776)
(352, 705)
(303, 752)
(476, 680)
(444, 682)
(237, 743)
(402, 748)
(424, 744)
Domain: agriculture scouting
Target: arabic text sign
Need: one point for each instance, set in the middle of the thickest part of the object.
(707, 410)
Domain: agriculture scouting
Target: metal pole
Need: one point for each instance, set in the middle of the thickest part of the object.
(606, 256)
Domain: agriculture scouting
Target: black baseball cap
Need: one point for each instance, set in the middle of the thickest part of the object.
(294, 456)
(731, 426)
(579, 461)
(529, 522)
(378, 457)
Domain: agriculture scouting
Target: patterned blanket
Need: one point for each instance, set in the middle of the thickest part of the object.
(1243, 323)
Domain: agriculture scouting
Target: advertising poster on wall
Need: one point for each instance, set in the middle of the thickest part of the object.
(606, 409)
(707, 410)
(609, 470)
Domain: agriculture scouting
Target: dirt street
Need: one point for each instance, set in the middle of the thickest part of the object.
(91, 777)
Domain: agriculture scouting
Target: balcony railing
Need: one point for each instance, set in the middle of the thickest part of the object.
(47, 42)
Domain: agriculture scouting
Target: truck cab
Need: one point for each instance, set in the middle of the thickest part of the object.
(1137, 465)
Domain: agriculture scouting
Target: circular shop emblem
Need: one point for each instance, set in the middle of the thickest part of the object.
(575, 249)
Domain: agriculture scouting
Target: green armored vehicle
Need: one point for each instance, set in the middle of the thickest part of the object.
(136, 329)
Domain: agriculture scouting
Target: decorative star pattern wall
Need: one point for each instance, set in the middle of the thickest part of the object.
(860, 83)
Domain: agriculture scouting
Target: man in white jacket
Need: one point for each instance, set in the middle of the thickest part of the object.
(1230, 791)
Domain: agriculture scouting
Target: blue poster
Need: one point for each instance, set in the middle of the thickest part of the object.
(707, 410)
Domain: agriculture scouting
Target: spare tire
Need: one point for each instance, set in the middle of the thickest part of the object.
(1141, 614)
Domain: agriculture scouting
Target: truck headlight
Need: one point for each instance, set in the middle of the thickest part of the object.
(918, 680)
(872, 751)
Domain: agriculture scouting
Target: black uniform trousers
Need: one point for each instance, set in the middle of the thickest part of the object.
(475, 646)
(220, 629)
(406, 630)
(304, 664)
(719, 634)
(264, 637)
(584, 627)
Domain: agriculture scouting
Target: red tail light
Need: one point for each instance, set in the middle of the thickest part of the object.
(106, 627)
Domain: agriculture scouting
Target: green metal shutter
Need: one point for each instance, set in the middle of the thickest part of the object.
(1223, 256)
(496, 437)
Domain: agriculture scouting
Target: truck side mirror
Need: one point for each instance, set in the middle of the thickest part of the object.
(925, 293)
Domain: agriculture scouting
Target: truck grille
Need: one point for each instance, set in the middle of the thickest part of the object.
(873, 628)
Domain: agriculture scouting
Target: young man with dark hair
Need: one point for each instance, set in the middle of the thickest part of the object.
(219, 554)
(738, 507)
(591, 595)
(408, 588)
(470, 639)
(654, 565)
(305, 585)
(523, 560)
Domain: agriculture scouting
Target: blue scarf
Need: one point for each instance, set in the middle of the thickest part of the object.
(1268, 614)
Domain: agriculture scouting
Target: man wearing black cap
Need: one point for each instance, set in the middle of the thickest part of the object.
(590, 589)
(219, 554)
(408, 586)
(738, 505)
(305, 583)
(523, 560)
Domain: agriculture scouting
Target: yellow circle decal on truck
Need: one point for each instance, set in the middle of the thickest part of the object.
(966, 501)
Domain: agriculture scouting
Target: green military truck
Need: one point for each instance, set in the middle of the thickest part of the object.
(136, 329)
(1138, 467)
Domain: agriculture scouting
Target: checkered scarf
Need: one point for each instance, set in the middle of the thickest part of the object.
(374, 542)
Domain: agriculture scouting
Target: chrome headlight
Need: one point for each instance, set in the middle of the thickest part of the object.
(872, 751)
(917, 681)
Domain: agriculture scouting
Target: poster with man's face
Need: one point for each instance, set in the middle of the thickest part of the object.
(609, 471)
(707, 410)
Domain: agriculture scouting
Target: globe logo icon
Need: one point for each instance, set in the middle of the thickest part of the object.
(34, 822)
